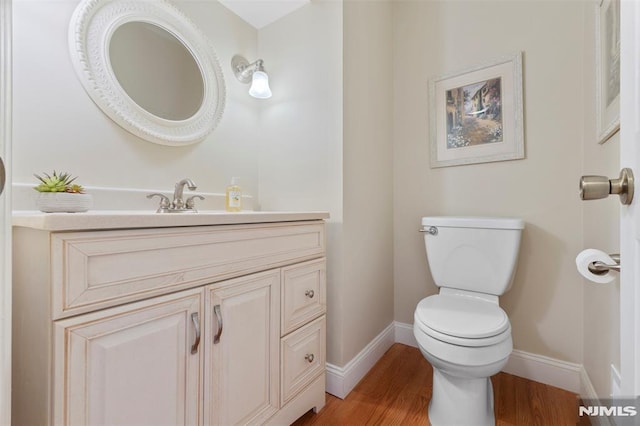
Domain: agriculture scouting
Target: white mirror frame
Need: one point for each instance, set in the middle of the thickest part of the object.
(92, 25)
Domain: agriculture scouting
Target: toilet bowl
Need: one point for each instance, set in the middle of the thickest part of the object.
(462, 392)
(462, 331)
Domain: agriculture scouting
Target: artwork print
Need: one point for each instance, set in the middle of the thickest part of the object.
(474, 114)
(607, 69)
(612, 52)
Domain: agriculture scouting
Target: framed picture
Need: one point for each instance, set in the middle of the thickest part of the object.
(607, 69)
(476, 114)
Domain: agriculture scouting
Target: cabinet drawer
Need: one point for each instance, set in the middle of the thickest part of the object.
(98, 269)
(304, 295)
(302, 357)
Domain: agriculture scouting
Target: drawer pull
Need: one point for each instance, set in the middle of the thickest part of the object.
(216, 311)
(196, 326)
(309, 294)
(309, 357)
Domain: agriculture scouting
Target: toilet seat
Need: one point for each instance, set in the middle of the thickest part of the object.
(462, 320)
(462, 356)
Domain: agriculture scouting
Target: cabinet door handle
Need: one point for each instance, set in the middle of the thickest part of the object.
(309, 294)
(196, 326)
(309, 357)
(216, 311)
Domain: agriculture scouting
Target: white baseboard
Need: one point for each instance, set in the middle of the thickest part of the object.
(587, 391)
(543, 369)
(539, 368)
(341, 380)
(404, 334)
(615, 382)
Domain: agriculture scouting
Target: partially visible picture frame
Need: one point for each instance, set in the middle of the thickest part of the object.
(607, 69)
(476, 115)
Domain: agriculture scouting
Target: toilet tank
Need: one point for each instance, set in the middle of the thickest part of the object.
(473, 253)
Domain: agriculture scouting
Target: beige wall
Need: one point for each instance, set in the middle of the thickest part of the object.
(601, 231)
(368, 176)
(436, 38)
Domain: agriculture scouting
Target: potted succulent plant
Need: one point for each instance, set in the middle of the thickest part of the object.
(58, 193)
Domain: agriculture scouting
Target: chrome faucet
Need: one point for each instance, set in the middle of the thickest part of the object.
(178, 205)
(178, 202)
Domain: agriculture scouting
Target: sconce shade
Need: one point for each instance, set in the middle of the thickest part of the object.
(260, 85)
(253, 72)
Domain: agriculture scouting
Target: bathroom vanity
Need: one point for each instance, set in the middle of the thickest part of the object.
(141, 318)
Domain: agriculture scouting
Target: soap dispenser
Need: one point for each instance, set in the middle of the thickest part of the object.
(233, 201)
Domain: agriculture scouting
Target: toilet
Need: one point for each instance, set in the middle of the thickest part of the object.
(462, 331)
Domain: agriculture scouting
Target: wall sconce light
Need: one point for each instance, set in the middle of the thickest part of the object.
(252, 73)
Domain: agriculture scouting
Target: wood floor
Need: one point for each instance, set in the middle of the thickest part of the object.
(398, 388)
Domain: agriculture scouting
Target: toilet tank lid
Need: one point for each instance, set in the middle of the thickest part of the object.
(474, 222)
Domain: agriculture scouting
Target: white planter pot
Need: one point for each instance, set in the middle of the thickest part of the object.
(63, 202)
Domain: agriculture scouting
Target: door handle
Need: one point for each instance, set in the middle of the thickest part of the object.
(3, 176)
(596, 187)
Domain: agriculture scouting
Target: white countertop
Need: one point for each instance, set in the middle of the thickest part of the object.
(123, 219)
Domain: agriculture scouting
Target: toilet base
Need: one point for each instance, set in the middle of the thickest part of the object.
(461, 401)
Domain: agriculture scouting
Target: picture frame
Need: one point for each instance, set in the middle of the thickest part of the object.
(476, 115)
(607, 69)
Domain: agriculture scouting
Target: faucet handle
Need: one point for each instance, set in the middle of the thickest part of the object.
(191, 202)
(165, 203)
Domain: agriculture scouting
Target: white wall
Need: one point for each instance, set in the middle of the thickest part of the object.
(433, 38)
(327, 143)
(301, 131)
(57, 126)
(300, 139)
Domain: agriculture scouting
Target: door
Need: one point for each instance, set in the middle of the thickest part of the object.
(630, 215)
(242, 350)
(5, 212)
(139, 364)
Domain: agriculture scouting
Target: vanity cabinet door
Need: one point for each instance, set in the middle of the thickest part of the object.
(132, 365)
(242, 350)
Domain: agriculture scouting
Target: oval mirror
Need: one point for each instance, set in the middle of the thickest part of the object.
(149, 68)
(156, 70)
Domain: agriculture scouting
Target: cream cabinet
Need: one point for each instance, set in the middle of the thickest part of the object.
(202, 325)
(130, 365)
(242, 354)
